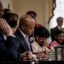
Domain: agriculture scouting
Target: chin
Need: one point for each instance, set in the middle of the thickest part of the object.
(61, 42)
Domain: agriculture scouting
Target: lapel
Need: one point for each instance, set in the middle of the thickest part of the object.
(22, 40)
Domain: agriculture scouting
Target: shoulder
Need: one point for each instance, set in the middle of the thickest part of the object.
(18, 34)
(54, 28)
(17, 31)
(35, 44)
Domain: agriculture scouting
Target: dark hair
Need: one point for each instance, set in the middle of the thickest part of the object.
(6, 11)
(57, 32)
(41, 32)
(32, 12)
(11, 19)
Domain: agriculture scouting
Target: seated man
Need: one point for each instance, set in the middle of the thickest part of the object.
(8, 49)
(25, 29)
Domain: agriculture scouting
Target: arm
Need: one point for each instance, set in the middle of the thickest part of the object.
(12, 50)
(8, 49)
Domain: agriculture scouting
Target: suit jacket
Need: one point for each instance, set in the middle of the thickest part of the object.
(21, 42)
(8, 49)
(53, 30)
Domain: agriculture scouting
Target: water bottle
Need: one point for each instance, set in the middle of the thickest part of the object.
(51, 54)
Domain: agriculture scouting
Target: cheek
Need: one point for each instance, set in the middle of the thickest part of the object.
(60, 23)
(60, 39)
(28, 32)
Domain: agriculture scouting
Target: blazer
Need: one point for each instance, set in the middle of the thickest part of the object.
(8, 49)
(21, 42)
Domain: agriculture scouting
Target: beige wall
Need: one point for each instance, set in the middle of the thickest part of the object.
(41, 7)
(6, 4)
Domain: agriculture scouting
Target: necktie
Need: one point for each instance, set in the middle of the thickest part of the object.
(27, 41)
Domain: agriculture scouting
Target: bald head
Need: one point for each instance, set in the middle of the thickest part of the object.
(27, 23)
(25, 19)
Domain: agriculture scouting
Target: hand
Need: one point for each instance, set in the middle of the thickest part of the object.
(4, 27)
(26, 56)
(41, 55)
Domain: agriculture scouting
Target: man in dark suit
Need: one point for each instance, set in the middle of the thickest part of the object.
(26, 28)
(7, 39)
(8, 49)
(58, 27)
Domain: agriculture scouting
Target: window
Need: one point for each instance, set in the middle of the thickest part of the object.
(59, 11)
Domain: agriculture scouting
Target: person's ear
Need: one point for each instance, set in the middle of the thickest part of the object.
(23, 27)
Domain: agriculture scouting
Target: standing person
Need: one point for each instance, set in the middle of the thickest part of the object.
(58, 27)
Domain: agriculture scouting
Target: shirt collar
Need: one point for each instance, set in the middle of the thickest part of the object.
(5, 37)
(24, 35)
(59, 27)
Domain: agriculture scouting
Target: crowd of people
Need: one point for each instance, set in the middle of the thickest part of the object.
(23, 39)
